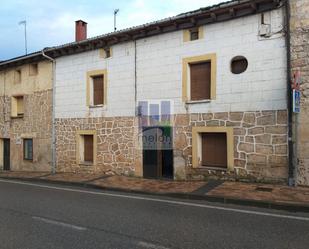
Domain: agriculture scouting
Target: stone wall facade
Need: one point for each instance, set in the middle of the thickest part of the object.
(260, 144)
(299, 27)
(117, 149)
(36, 123)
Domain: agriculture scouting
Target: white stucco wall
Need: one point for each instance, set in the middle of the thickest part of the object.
(159, 71)
(71, 78)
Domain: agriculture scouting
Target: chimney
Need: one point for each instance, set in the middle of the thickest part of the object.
(80, 30)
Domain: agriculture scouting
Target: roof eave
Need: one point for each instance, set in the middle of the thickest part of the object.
(217, 13)
(226, 11)
(15, 62)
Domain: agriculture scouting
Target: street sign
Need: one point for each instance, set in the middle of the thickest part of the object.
(296, 80)
(18, 141)
(296, 101)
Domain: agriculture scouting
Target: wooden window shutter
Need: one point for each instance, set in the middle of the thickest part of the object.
(98, 90)
(214, 150)
(88, 148)
(194, 34)
(200, 79)
(20, 105)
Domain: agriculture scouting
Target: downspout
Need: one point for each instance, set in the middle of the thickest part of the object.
(136, 108)
(291, 177)
(4, 100)
(4, 105)
(53, 169)
(135, 79)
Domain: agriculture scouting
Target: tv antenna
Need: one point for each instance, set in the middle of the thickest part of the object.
(24, 22)
(115, 14)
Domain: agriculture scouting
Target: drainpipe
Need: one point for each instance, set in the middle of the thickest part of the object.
(135, 79)
(292, 163)
(53, 169)
(4, 100)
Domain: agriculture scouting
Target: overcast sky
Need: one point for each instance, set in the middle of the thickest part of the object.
(51, 23)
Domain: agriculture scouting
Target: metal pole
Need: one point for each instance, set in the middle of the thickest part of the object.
(115, 13)
(114, 21)
(26, 38)
(25, 31)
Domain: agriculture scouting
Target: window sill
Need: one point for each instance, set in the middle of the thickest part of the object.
(16, 117)
(195, 40)
(198, 101)
(97, 106)
(211, 168)
(86, 164)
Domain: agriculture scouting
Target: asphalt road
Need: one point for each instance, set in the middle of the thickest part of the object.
(55, 216)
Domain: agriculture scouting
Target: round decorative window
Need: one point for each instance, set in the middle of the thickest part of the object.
(239, 64)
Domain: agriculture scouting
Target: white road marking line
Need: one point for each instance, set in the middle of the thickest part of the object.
(181, 203)
(58, 223)
(150, 245)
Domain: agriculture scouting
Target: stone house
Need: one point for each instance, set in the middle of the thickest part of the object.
(213, 81)
(203, 94)
(26, 113)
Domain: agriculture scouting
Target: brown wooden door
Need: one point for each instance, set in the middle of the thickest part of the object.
(6, 154)
(214, 150)
(88, 148)
(151, 153)
(200, 76)
(157, 157)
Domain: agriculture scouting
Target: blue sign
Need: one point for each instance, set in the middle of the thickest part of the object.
(296, 101)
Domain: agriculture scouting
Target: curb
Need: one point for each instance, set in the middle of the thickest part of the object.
(188, 196)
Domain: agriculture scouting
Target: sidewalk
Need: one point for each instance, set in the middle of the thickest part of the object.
(262, 195)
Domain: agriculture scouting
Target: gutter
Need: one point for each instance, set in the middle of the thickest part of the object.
(20, 58)
(204, 16)
(53, 168)
(292, 164)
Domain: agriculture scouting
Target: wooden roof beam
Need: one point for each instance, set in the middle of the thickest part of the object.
(193, 21)
(127, 36)
(213, 16)
(158, 28)
(63, 51)
(253, 7)
(232, 12)
(101, 43)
